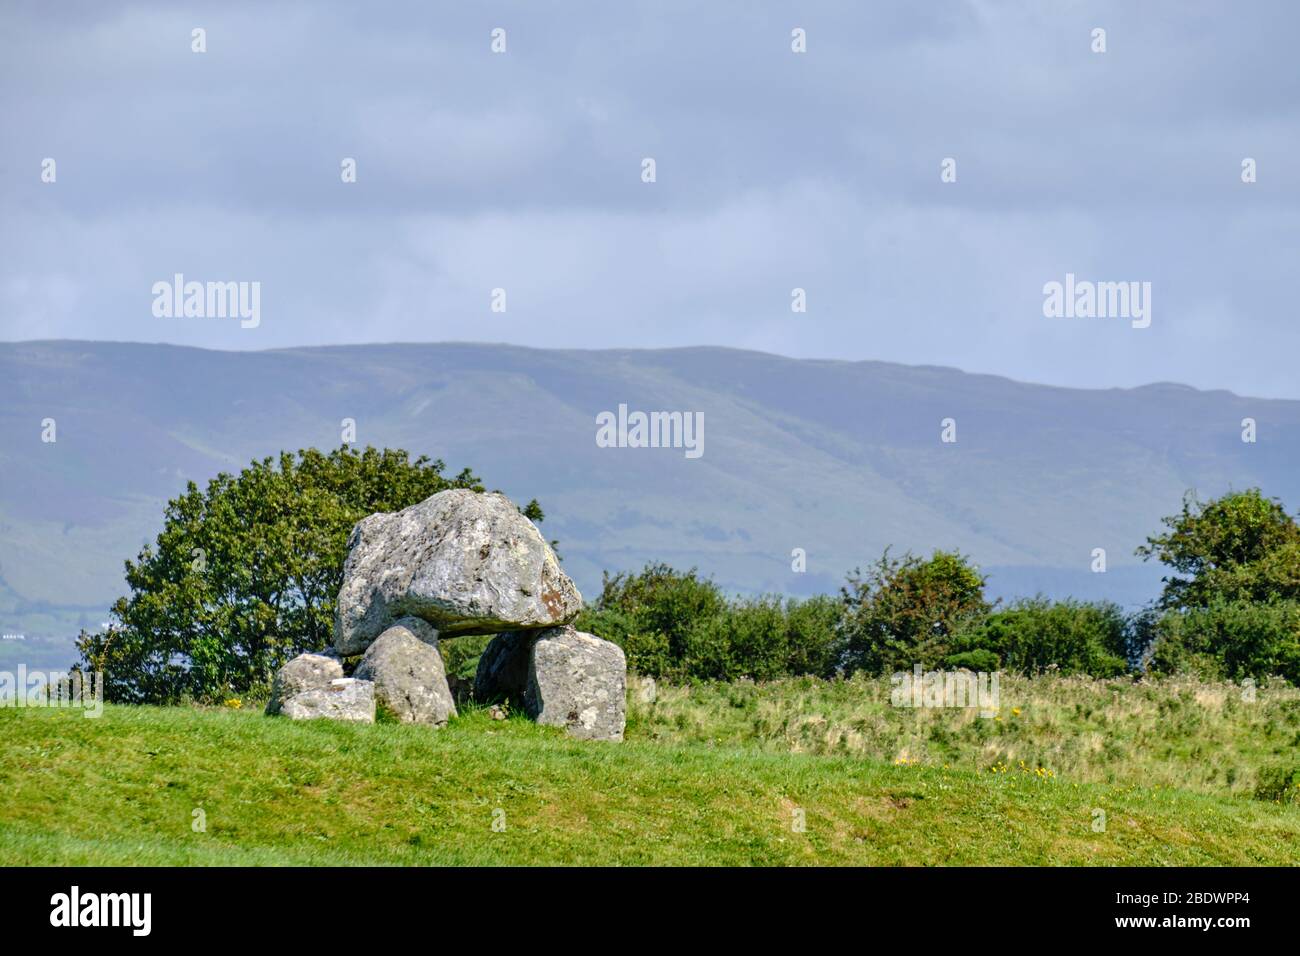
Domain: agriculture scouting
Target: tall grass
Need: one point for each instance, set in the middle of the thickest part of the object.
(1208, 737)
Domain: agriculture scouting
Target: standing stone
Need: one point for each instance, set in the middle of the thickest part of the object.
(503, 667)
(408, 672)
(467, 563)
(578, 682)
(305, 672)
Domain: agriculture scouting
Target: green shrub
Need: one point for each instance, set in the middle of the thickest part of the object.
(651, 614)
(460, 654)
(647, 651)
(813, 635)
(747, 639)
(1070, 636)
(978, 660)
(1279, 783)
(1231, 639)
(675, 624)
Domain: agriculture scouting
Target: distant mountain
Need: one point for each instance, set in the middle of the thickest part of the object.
(838, 458)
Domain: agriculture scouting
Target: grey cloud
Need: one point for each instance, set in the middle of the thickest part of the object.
(775, 171)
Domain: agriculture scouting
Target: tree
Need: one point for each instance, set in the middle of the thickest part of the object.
(905, 611)
(1240, 547)
(244, 574)
(1233, 608)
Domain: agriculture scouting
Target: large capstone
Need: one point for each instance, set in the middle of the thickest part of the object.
(465, 562)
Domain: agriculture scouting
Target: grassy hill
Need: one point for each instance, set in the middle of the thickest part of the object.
(701, 779)
(838, 458)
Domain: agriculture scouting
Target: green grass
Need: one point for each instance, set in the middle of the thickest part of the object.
(123, 789)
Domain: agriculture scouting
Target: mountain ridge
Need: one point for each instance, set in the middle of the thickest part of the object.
(474, 343)
(838, 457)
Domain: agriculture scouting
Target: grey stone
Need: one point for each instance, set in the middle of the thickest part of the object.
(465, 562)
(578, 682)
(305, 672)
(344, 698)
(408, 672)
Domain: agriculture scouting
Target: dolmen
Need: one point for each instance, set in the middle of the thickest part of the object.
(458, 563)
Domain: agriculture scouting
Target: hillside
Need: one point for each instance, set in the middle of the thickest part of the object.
(838, 458)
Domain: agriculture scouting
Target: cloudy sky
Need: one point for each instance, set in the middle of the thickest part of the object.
(775, 170)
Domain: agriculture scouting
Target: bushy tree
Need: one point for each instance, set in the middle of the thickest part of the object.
(764, 638)
(1239, 547)
(1232, 609)
(905, 611)
(245, 573)
(747, 639)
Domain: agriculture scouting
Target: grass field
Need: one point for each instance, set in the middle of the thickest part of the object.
(707, 776)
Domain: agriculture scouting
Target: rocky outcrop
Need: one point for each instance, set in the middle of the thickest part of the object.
(408, 673)
(465, 562)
